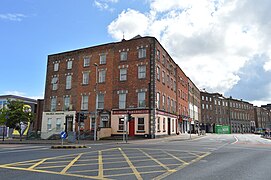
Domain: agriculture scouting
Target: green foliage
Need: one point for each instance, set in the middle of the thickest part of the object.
(17, 113)
(3, 113)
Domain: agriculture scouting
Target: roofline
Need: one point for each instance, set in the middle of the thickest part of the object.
(106, 44)
(18, 97)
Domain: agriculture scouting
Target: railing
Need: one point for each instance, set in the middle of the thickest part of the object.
(49, 133)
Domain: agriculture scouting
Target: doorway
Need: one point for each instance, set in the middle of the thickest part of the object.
(69, 124)
(168, 126)
(132, 127)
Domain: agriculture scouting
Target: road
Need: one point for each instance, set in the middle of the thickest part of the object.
(235, 156)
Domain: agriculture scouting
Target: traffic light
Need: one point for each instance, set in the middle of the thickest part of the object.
(77, 116)
(129, 116)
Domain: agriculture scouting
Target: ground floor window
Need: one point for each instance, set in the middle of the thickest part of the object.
(121, 124)
(49, 124)
(58, 124)
(140, 124)
(164, 124)
(158, 124)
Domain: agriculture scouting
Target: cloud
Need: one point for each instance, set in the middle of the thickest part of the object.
(16, 93)
(12, 17)
(211, 40)
(105, 4)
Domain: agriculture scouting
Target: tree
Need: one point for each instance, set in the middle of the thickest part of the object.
(3, 119)
(17, 115)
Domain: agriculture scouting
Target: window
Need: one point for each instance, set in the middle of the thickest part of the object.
(172, 125)
(141, 99)
(55, 83)
(140, 124)
(68, 82)
(141, 72)
(56, 66)
(207, 106)
(163, 77)
(86, 61)
(84, 102)
(122, 100)
(163, 102)
(66, 103)
(85, 77)
(158, 55)
(206, 98)
(158, 73)
(121, 124)
(123, 74)
(164, 124)
(53, 104)
(69, 64)
(100, 101)
(202, 98)
(123, 56)
(103, 59)
(202, 106)
(142, 53)
(158, 124)
(168, 80)
(168, 104)
(49, 124)
(158, 100)
(58, 124)
(164, 59)
(174, 86)
(101, 76)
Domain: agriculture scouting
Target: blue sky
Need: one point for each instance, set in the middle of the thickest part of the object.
(32, 29)
(222, 45)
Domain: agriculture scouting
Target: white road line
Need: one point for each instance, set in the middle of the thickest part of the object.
(236, 140)
(6, 152)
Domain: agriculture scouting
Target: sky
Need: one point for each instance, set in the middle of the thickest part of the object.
(222, 45)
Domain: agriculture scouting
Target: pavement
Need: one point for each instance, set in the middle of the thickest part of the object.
(180, 137)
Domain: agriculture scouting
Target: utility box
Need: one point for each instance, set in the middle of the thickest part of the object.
(222, 129)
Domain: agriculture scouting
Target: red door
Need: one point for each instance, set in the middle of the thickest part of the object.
(132, 127)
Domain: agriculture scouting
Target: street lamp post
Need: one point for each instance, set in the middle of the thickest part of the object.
(96, 103)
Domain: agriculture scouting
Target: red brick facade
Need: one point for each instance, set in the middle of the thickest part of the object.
(155, 74)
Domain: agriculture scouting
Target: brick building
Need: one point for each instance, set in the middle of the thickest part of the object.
(135, 76)
(218, 110)
(194, 106)
(262, 117)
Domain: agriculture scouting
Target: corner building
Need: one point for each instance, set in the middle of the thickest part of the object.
(135, 76)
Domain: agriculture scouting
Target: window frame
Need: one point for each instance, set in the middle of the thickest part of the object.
(84, 102)
(141, 103)
(102, 58)
(140, 125)
(102, 74)
(86, 62)
(122, 101)
(142, 53)
(123, 56)
(123, 74)
(68, 81)
(141, 71)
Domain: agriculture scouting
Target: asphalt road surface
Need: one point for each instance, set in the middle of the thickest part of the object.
(235, 156)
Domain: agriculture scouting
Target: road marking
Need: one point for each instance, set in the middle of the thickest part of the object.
(100, 161)
(6, 152)
(176, 158)
(70, 164)
(136, 168)
(35, 165)
(236, 140)
(137, 174)
(155, 160)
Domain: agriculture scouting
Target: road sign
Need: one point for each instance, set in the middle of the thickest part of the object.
(63, 135)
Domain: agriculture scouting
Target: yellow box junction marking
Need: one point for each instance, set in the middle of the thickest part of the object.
(70, 164)
(100, 161)
(131, 165)
(95, 160)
